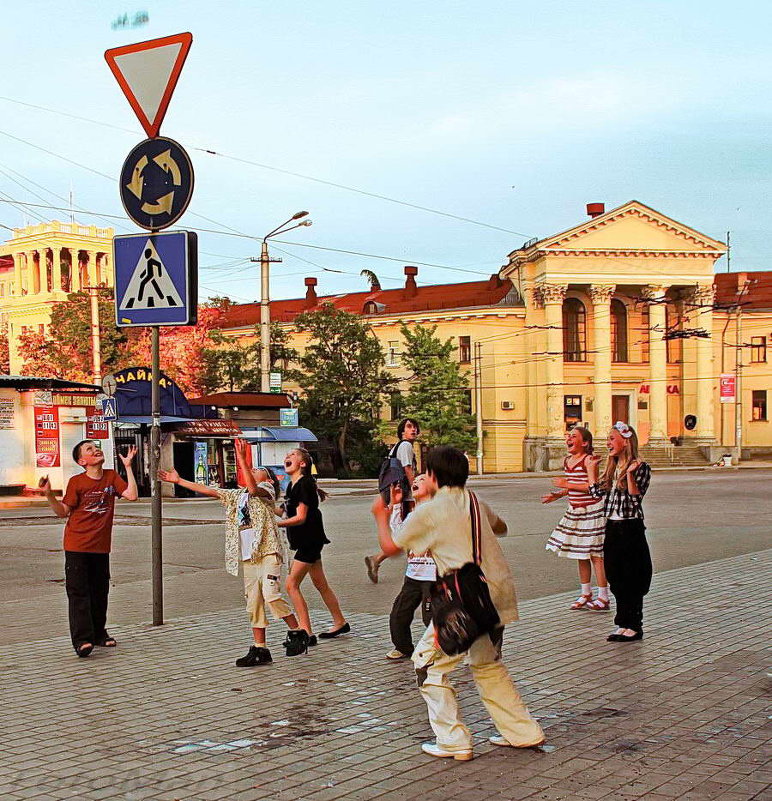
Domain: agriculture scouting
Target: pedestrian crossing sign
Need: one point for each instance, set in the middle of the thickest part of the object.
(156, 278)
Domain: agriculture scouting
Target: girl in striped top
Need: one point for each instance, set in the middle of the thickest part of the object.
(579, 534)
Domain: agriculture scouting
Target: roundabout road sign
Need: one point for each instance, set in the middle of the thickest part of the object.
(156, 183)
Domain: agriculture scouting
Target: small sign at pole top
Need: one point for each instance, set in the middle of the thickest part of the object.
(147, 72)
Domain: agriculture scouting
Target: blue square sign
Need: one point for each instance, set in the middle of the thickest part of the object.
(156, 278)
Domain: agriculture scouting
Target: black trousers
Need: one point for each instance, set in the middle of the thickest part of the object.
(412, 595)
(87, 580)
(627, 561)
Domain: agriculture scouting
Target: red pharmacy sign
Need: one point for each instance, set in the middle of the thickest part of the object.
(727, 388)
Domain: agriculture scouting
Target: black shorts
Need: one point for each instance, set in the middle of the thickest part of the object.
(308, 554)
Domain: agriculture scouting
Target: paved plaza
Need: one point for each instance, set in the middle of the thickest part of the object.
(167, 716)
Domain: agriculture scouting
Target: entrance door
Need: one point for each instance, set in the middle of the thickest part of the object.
(620, 408)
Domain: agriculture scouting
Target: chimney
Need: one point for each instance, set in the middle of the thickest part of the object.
(494, 282)
(411, 290)
(311, 299)
(596, 209)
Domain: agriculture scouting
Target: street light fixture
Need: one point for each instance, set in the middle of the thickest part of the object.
(265, 307)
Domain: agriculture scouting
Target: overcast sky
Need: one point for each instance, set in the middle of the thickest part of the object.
(511, 114)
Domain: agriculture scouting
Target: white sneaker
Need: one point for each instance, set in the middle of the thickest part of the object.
(497, 739)
(395, 654)
(438, 751)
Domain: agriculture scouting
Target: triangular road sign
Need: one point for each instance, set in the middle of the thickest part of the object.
(147, 72)
(150, 286)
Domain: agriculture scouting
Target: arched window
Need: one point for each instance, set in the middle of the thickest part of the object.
(574, 330)
(618, 331)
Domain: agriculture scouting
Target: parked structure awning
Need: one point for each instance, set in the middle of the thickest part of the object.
(279, 434)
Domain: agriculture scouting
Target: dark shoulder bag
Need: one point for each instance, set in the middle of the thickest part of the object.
(462, 609)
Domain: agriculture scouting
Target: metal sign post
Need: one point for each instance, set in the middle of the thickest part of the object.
(155, 273)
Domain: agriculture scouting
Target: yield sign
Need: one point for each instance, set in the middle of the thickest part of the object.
(147, 72)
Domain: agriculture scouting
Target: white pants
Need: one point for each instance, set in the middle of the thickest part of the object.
(494, 685)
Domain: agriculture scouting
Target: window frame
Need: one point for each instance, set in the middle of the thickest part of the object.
(575, 330)
(620, 352)
(465, 350)
(759, 401)
(758, 350)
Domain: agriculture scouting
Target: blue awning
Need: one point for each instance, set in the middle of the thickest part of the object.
(139, 419)
(279, 434)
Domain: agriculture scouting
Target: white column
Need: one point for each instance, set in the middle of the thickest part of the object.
(655, 295)
(601, 295)
(552, 296)
(17, 257)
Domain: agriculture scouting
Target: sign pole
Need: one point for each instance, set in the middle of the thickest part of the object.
(155, 482)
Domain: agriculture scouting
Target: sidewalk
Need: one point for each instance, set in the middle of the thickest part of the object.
(167, 716)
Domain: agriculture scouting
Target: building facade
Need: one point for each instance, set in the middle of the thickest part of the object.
(40, 265)
(621, 317)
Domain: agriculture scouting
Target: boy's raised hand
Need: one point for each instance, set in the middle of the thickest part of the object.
(379, 509)
(241, 446)
(44, 484)
(127, 458)
(172, 476)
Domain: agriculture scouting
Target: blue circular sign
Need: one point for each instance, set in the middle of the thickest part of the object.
(156, 183)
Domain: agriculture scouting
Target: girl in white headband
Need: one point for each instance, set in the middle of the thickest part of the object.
(626, 553)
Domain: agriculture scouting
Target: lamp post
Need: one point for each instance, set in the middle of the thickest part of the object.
(265, 307)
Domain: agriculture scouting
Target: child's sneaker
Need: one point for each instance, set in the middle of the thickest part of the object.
(255, 656)
(396, 654)
(296, 642)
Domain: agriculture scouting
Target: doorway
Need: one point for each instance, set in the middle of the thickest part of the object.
(620, 408)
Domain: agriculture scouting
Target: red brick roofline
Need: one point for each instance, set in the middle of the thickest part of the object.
(758, 296)
(410, 298)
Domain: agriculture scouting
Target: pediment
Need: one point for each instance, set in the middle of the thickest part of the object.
(633, 226)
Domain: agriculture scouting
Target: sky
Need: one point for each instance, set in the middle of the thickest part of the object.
(513, 115)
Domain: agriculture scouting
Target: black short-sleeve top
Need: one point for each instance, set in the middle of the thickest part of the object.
(312, 531)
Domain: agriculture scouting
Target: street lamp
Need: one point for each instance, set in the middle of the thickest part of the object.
(265, 307)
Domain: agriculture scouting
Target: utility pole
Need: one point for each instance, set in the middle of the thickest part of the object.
(478, 404)
(738, 371)
(265, 303)
(96, 345)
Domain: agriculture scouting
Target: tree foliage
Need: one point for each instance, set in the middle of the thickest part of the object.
(5, 361)
(233, 365)
(437, 394)
(343, 379)
(65, 350)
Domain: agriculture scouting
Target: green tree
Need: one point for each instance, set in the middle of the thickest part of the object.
(233, 365)
(343, 379)
(65, 350)
(437, 394)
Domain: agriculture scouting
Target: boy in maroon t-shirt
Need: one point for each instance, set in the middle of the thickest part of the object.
(88, 504)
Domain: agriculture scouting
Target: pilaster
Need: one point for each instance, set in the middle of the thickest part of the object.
(601, 295)
(552, 296)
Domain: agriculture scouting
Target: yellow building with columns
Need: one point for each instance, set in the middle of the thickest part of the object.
(40, 265)
(620, 317)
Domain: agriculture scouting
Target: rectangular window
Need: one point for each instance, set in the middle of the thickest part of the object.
(759, 404)
(395, 406)
(465, 350)
(758, 350)
(392, 354)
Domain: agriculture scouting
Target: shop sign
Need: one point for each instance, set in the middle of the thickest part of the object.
(274, 382)
(47, 436)
(209, 428)
(96, 425)
(73, 400)
(672, 389)
(7, 407)
(726, 385)
(288, 417)
(42, 397)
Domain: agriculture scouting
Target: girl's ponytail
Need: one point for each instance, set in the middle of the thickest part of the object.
(306, 471)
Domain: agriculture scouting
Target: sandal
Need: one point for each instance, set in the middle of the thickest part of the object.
(108, 642)
(599, 604)
(582, 602)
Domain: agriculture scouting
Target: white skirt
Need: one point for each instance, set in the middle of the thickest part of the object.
(580, 532)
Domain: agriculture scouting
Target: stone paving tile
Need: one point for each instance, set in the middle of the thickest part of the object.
(681, 715)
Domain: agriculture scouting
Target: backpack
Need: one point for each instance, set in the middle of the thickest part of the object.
(392, 471)
(462, 609)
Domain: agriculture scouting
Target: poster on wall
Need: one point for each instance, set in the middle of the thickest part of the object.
(96, 425)
(200, 469)
(47, 436)
(7, 407)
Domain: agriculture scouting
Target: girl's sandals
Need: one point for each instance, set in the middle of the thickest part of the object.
(582, 602)
(599, 604)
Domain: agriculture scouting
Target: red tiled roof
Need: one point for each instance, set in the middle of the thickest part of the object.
(758, 296)
(391, 301)
(247, 400)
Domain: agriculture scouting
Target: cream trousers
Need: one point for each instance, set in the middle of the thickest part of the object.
(496, 689)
